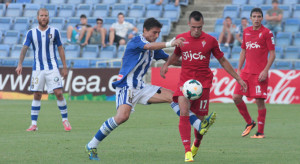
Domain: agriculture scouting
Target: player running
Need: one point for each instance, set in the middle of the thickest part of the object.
(45, 70)
(258, 41)
(195, 54)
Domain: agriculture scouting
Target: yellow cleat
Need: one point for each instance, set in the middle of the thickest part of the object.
(188, 157)
(194, 150)
(207, 122)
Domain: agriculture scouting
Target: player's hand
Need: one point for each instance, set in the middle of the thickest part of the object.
(19, 69)
(178, 42)
(243, 85)
(263, 76)
(64, 72)
(163, 71)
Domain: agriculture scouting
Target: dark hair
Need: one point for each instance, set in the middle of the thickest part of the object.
(275, 1)
(99, 19)
(244, 18)
(120, 13)
(82, 16)
(196, 15)
(256, 10)
(150, 23)
(44, 9)
(228, 17)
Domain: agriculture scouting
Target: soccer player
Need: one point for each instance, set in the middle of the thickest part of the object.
(130, 87)
(44, 39)
(258, 41)
(195, 54)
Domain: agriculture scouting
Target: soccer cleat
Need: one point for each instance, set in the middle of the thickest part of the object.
(32, 128)
(188, 157)
(258, 135)
(93, 155)
(67, 125)
(207, 122)
(248, 128)
(194, 150)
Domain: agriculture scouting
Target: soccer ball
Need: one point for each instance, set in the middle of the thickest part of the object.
(192, 89)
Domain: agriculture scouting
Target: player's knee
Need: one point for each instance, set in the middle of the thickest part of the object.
(37, 95)
(237, 99)
(121, 119)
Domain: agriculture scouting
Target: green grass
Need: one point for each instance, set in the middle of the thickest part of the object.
(150, 135)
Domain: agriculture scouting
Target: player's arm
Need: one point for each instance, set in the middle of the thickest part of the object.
(160, 45)
(228, 67)
(264, 74)
(173, 60)
(22, 56)
(63, 60)
(241, 60)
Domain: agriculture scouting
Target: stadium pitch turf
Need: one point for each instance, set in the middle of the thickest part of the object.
(149, 136)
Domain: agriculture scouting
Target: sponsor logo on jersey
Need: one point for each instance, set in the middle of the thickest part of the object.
(203, 43)
(188, 55)
(259, 35)
(250, 45)
(56, 79)
(49, 36)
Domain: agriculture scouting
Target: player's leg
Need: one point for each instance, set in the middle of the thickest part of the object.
(124, 103)
(37, 86)
(69, 33)
(184, 127)
(260, 102)
(240, 104)
(62, 106)
(35, 110)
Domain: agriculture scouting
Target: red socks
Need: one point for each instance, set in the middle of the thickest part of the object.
(198, 138)
(261, 120)
(185, 132)
(244, 112)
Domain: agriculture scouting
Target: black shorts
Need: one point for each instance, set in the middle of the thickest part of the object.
(118, 38)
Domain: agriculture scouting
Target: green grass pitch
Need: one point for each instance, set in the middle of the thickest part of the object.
(149, 136)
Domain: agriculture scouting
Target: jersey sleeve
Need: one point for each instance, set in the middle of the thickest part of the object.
(160, 54)
(57, 38)
(136, 44)
(28, 39)
(216, 49)
(270, 41)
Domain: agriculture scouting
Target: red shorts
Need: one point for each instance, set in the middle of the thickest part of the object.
(255, 88)
(200, 106)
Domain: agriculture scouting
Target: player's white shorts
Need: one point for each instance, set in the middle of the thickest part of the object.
(132, 96)
(51, 78)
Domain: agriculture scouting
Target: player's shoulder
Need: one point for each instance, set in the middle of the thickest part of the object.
(182, 35)
(266, 30)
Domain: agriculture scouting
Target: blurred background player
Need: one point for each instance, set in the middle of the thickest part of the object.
(274, 17)
(195, 55)
(45, 69)
(130, 87)
(226, 36)
(96, 35)
(118, 31)
(77, 34)
(239, 32)
(258, 41)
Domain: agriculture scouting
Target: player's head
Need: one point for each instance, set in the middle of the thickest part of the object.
(256, 17)
(120, 17)
(43, 17)
(151, 29)
(196, 22)
(83, 19)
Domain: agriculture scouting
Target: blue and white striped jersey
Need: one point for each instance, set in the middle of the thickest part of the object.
(136, 62)
(43, 44)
